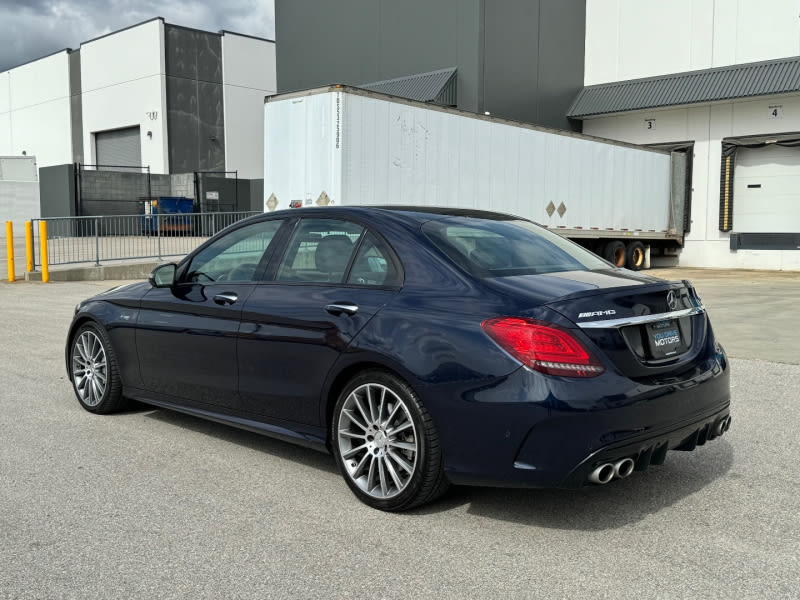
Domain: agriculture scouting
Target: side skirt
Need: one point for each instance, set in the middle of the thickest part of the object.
(308, 439)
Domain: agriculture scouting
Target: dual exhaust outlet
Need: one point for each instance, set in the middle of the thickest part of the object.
(624, 467)
(722, 426)
(605, 473)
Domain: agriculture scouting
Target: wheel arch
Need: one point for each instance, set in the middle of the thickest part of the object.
(344, 374)
(79, 322)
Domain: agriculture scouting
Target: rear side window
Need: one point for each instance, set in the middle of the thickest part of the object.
(497, 248)
(320, 251)
(374, 265)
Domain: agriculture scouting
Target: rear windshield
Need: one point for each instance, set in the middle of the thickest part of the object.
(503, 247)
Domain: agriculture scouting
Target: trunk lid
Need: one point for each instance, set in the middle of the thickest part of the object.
(647, 327)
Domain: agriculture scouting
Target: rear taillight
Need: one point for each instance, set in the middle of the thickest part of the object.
(543, 347)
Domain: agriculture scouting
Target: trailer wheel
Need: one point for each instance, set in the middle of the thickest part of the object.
(634, 257)
(615, 253)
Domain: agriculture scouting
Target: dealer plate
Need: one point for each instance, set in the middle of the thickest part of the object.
(664, 338)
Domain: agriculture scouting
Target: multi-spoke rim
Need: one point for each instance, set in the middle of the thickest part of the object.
(89, 368)
(377, 440)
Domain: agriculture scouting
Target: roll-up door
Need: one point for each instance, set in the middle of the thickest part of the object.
(767, 190)
(119, 148)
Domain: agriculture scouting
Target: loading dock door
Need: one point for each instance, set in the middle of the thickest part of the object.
(119, 148)
(767, 190)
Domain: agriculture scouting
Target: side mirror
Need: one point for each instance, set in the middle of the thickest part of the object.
(163, 275)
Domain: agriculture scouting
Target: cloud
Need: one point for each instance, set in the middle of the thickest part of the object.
(37, 28)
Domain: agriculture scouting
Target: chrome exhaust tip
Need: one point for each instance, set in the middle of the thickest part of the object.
(720, 426)
(602, 474)
(623, 468)
(727, 423)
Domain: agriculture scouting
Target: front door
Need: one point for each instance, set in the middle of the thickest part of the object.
(186, 336)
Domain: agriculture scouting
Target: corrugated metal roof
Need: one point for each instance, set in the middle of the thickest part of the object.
(781, 76)
(436, 86)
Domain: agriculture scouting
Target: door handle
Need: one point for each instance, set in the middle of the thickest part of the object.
(342, 307)
(226, 298)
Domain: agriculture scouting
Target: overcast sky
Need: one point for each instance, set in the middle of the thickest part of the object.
(31, 29)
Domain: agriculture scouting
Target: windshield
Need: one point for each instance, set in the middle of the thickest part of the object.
(503, 247)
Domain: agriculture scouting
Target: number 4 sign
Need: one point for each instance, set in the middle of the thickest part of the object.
(775, 112)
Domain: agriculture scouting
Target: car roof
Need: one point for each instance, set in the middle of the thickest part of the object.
(418, 214)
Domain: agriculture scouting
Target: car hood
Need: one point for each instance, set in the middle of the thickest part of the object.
(123, 293)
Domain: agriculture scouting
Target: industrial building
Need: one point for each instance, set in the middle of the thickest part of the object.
(154, 94)
(152, 99)
(717, 81)
(515, 59)
(721, 79)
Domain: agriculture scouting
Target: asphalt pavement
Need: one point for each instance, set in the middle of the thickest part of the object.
(154, 504)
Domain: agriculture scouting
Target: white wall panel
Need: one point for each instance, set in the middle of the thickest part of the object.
(34, 110)
(629, 39)
(123, 83)
(123, 56)
(5, 92)
(40, 81)
(125, 105)
(705, 245)
(248, 74)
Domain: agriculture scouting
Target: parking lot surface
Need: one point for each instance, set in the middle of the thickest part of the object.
(154, 504)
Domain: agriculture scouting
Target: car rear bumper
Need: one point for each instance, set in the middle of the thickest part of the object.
(555, 437)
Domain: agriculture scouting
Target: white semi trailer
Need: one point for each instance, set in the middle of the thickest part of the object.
(340, 145)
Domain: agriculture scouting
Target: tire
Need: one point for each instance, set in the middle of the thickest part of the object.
(634, 256)
(387, 468)
(94, 371)
(614, 253)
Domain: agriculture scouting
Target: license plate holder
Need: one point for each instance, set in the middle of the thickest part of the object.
(664, 338)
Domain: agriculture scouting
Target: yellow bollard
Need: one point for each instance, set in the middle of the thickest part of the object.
(43, 250)
(28, 246)
(10, 250)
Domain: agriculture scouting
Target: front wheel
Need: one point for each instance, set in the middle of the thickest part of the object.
(95, 375)
(386, 444)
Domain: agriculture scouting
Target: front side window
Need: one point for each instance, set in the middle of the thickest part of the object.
(320, 251)
(233, 257)
(503, 247)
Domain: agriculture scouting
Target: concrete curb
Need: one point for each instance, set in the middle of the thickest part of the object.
(103, 272)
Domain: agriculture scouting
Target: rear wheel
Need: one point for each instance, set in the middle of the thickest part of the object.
(386, 444)
(95, 375)
(614, 253)
(634, 256)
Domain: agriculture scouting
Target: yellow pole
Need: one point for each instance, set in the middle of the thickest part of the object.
(28, 246)
(10, 250)
(43, 250)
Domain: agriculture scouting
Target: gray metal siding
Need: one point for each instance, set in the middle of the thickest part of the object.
(518, 59)
(533, 59)
(76, 106)
(119, 148)
(436, 86)
(195, 116)
(710, 85)
(362, 41)
(57, 191)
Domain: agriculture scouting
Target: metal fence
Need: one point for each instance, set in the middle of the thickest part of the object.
(96, 240)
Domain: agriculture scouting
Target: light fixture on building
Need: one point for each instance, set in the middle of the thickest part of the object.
(150, 135)
(24, 153)
(487, 113)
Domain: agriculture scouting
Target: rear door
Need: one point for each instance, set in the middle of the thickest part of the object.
(332, 279)
(186, 334)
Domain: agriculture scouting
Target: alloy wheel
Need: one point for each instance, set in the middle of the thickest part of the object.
(377, 439)
(89, 368)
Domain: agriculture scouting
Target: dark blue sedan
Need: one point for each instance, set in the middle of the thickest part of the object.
(422, 347)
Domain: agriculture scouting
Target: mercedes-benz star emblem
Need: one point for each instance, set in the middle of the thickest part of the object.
(672, 302)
